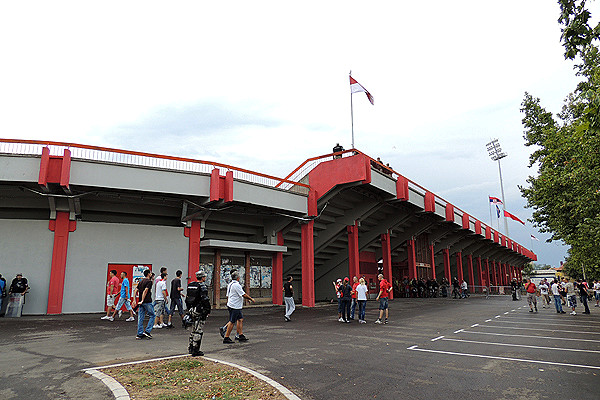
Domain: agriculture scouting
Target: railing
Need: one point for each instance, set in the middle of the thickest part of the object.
(300, 173)
(139, 159)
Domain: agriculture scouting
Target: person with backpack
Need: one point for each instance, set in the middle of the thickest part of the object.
(531, 290)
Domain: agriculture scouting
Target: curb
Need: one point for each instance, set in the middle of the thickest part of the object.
(121, 393)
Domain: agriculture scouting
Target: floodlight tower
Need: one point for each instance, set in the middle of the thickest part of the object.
(496, 154)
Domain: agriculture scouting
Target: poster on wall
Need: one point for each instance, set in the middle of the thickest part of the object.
(226, 274)
(137, 275)
(265, 277)
(209, 269)
(255, 275)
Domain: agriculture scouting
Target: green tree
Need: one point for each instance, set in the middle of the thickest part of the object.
(565, 194)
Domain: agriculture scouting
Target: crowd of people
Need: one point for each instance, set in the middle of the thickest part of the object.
(355, 295)
(564, 292)
(18, 286)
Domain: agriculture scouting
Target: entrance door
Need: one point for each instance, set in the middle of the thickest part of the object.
(135, 273)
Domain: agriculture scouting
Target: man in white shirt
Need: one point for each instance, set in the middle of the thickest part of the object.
(544, 292)
(571, 295)
(555, 288)
(235, 302)
(596, 288)
(161, 299)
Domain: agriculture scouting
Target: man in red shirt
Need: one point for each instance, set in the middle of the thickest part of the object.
(354, 301)
(384, 289)
(531, 295)
(112, 289)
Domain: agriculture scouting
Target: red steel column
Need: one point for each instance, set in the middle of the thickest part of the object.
(277, 275)
(459, 266)
(412, 261)
(386, 252)
(61, 228)
(193, 233)
(431, 252)
(480, 274)
(446, 254)
(470, 272)
(489, 278)
(353, 258)
(493, 281)
(308, 265)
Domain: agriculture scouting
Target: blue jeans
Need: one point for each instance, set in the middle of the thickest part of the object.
(362, 304)
(145, 308)
(557, 303)
(179, 304)
(352, 308)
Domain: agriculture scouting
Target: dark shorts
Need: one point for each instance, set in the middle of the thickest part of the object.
(234, 314)
(383, 303)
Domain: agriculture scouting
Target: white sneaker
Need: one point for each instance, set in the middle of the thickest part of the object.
(111, 319)
(378, 321)
(105, 317)
(341, 320)
(163, 325)
(120, 313)
(573, 313)
(157, 326)
(130, 319)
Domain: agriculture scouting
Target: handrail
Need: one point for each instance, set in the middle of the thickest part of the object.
(147, 160)
(384, 167)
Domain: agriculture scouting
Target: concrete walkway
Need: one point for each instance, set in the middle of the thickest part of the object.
(319, 358)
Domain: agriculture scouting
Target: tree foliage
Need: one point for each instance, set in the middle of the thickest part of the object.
(565, 194)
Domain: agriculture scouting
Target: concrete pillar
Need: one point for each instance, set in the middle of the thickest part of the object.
(480, 274)
(412, 261)
(432, 255)
(470, 272)
(386, 252)
(446, 257)
(459, 267)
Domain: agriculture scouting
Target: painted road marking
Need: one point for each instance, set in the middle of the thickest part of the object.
(522, 345)
(437, 338)
(497, 316)
(488, 320)
(474, 325)
(453, 353)
(526, 322)
(458, 331)
(538, 329)
(506, 313)
(532, 336)
(570, 322)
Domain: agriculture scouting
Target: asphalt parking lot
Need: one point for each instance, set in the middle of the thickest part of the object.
(432, 349)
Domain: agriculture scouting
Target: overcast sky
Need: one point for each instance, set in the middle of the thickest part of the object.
(264, 85)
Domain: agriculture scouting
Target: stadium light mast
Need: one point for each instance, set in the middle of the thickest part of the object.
(496, 154)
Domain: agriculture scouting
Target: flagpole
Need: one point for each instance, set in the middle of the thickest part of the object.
(351, 113)
(490, 207)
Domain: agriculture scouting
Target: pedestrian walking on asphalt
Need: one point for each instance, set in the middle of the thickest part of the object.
(346, 295)
(3, 292)
(161, 300)
(583, 295)
(531, 290)
(455, 288)
(288, 297)
(571, 296)
(384, 289)
(144, 299)
(555, 288)
(514, 286)
(336, 285)
(235, 302)
(198, 305)
(597, 292)
(544, 292)
(176, 298)
(464, 288)
(112, 289)
(354, 300)
(124, 299)
(361, 296)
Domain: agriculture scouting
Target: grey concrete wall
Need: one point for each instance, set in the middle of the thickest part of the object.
(26, 247)
(19, 168)
(264, 196)
(94, 245)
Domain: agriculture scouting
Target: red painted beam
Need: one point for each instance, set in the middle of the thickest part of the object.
(466, 224)
(470, 273)
(228, 195)
(386, 251)
(215, 185)
(61, 228)
(353, 253)
(446, 254)
(194, 234)
(432, 254)
(308, 264)
(459, 266)
(429, 202)
(402, 188)
(412, 261)
(449, 212)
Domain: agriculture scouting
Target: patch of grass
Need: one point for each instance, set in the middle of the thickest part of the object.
(191, 378)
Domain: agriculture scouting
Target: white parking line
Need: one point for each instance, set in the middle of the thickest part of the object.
(488, 320)
(458, 331)
(416, 348)
(532, 336)
(474, 325)
(547, 323)
(506, 313)
(571, 321)
(538, 329)
(521, 345)
(437, 338)
(497, 316)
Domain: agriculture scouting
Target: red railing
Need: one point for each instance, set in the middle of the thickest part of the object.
(136, 158)
(303, 170)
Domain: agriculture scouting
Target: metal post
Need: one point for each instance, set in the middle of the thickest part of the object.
(503, 201)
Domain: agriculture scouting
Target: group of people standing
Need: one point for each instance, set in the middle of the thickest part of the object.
(564, 292)
(351, 296)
